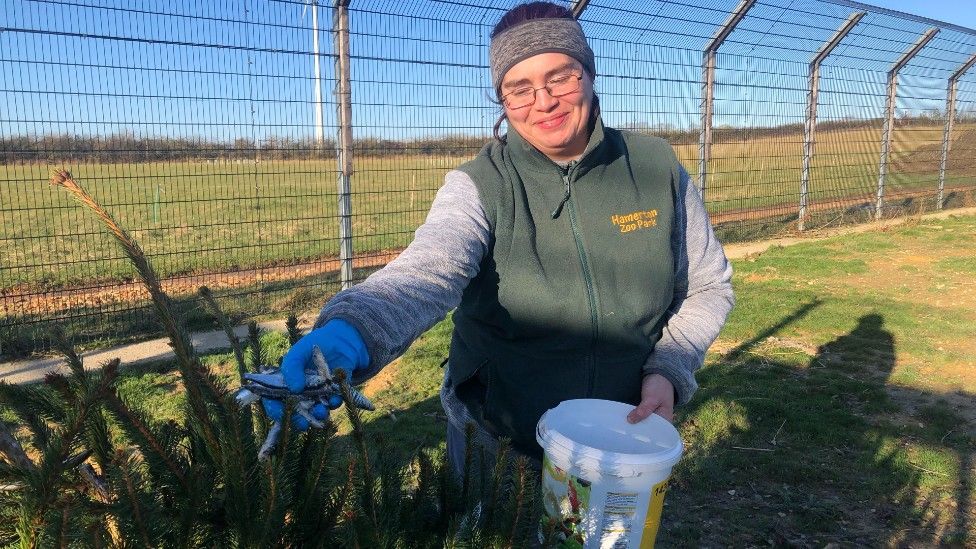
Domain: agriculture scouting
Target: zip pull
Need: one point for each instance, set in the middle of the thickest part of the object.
(559, 208)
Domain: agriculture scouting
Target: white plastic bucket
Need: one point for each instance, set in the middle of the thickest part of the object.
(604, 479)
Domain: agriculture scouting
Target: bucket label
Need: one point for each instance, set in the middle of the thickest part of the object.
(566, 502)
(619, 512)
(654, 509)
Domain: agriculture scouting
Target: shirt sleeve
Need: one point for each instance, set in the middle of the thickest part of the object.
(703, 295)
(396, 304)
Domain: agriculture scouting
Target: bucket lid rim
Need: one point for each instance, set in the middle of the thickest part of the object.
(660, 459)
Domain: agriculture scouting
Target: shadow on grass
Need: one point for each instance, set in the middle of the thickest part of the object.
(784, 447)
(788, 450)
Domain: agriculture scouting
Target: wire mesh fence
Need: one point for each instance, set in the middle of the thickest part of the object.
(276, 150)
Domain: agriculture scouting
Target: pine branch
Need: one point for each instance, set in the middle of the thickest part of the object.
(424, 513)
(275, 472)
(136, 516)
(501, 466)
(64, 347)
(44, 486)
(323, 522)
(145, 437)
(238, 462)
(31, 406)
(391, 494)
(200, 383)
(294, 333)
(523, 503)
(97, 439)
(315, 456)
(208, 299)
(521, 483)
(81, 382)
(359, 435)
(254, 339)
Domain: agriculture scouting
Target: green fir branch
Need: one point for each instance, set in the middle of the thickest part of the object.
(294, 333)
(33, 407)
(135, 514)
(211, 302)
(202, 386)
(166, 467)
(498, 474)
(359, 436)
(63, 346)
(254, 340)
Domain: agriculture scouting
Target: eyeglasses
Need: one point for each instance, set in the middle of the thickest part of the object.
(558, 86)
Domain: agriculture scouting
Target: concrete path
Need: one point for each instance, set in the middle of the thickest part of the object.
(33, 370)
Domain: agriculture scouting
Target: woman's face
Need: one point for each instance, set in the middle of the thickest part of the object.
(557, 126)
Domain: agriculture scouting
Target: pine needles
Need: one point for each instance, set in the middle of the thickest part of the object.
(85, 466)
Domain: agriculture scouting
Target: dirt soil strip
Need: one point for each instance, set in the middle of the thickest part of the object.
(22, 302)
(33, 370)
(863, 202)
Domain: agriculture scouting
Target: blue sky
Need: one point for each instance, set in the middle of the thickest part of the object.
(226, 70)
(959, 12)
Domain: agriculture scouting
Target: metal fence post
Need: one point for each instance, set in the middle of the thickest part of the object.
(577, 7)
(708, 90)
(890, 112)
(343, 93)
(950, 115)
(810, 127)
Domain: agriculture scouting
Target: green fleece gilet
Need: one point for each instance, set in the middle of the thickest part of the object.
(575, 290)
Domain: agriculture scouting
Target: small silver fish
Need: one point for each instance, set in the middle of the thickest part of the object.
(320, 388)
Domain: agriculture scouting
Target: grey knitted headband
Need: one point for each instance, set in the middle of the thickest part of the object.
(535, 36)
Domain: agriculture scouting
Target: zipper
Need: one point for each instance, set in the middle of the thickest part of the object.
(587, 279)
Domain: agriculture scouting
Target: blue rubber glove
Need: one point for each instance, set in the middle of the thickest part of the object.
(343, 348)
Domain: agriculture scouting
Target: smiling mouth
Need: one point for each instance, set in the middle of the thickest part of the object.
(553, 122)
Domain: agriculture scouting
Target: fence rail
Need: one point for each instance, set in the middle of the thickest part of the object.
(210, 131)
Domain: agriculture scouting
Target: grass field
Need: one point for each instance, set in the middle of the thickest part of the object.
(218, 217)
(838, 405)
(263, 234)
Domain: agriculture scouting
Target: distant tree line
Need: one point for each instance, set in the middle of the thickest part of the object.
(725, 134)
(127, 147)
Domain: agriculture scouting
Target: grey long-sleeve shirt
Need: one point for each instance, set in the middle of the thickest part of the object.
(398, 303)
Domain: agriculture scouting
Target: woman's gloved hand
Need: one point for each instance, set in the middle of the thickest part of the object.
(343, 348)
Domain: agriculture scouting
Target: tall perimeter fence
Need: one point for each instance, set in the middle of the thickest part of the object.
(277, 151)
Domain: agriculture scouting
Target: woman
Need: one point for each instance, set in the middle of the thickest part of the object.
(580, 259)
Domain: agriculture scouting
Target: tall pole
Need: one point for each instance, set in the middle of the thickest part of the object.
(343, 92)
(577, 7)
(319, 120)
(950, 115)
(708, 90)
(810, 128)
(889, 122)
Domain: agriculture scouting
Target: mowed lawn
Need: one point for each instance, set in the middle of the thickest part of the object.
(196, 217)
(837, 407)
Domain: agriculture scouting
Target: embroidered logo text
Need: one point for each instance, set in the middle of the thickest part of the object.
(633, 221)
